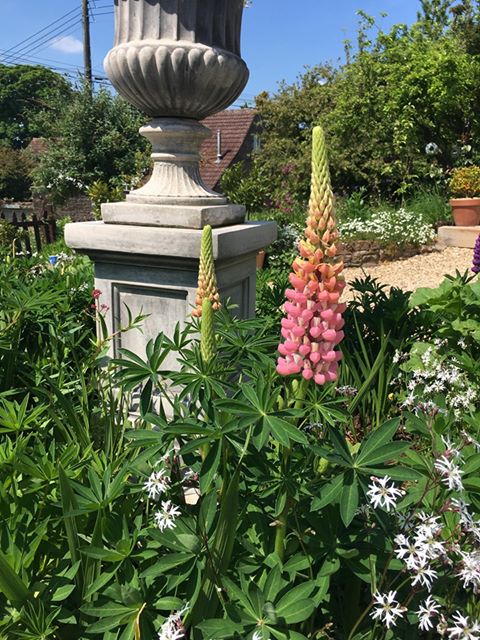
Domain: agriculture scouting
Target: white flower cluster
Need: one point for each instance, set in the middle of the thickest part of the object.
(400, 227)
(383, 493)
(172, 628)
(421, 550)
(387, 609)
(429, 550)
(62, 179)
(157, 484)
(439, 377)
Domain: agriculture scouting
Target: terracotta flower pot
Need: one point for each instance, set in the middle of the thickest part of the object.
(466, 211)
(260, 259)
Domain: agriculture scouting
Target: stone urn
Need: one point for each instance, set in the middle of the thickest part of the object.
(179, 62)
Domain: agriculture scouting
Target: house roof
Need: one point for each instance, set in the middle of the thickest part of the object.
(234, 125)
(37, 146)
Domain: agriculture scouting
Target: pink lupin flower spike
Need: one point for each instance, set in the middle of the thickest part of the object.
(312, 329)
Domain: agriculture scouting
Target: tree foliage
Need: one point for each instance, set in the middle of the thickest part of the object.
(399, 94)
(96, 139)
(31, 97)
(15, 168)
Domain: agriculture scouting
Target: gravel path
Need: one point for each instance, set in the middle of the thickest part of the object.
(425, 270)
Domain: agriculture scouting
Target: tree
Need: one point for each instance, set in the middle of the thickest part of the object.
(96, 138)
(15, 168)
(31, 97)
(402, 92)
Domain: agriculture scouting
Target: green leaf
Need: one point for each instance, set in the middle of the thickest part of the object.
(210, 467)
(472, 464)
(274, 583)
(394, 472)
(377, 439)
(164, 564)
(349, 499)
(293, 596)
(383, 454)
(102, 554)
(298, 611)
(62, 593)
(169, 604)
(285, 431)
(340, 446)
(208, 510)
(296, 563)
(237, 594)
(107, 624)
(11, 584)
(101, 581)
(472, 484)
(217, 629)
(329, 567)
(108, 610)
(328, 493)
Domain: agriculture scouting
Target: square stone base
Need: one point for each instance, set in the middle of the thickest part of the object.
(154, 271)
(458, 236)
(172, 215)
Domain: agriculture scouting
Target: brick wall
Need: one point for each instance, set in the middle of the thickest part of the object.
(77, 208)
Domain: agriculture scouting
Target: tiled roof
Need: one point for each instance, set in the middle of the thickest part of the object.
(234, 125)
(37, 146)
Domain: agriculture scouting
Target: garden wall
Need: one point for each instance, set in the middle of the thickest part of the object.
(77, 208)
(358, 253)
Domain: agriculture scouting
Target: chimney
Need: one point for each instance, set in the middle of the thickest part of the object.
(219, 147)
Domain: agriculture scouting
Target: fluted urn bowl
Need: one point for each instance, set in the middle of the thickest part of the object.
(178, 58)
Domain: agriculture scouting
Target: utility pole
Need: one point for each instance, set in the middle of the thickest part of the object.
(87, 52)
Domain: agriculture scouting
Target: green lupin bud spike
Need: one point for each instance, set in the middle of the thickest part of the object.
(208, 345)
(207, 281)
(321, 196)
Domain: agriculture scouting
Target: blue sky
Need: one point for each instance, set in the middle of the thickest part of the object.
(279, 38)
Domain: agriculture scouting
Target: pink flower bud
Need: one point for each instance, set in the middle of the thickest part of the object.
(329, 335)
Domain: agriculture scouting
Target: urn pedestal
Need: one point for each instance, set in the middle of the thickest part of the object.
(178, 61)
(154, 271)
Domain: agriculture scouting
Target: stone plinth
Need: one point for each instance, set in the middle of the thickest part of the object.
(459, 236)
(154, 271)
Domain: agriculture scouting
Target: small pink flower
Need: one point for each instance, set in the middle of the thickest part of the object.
(96, 293)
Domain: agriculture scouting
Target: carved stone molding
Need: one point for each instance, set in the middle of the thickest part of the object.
(178, 58)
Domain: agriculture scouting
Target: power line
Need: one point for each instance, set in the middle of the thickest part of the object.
(35, 44)
(42, 30)
(48, 37)
(37, 60)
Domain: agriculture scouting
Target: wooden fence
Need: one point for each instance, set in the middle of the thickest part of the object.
(38, 230)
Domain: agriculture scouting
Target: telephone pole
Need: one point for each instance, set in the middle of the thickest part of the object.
(87, 52)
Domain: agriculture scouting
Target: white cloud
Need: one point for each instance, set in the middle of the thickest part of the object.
(67, 44)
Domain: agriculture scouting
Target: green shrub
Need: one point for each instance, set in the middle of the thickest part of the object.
(15, 169)
(100, 192)
(8, 233)
(465, 182)
(431, 206)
